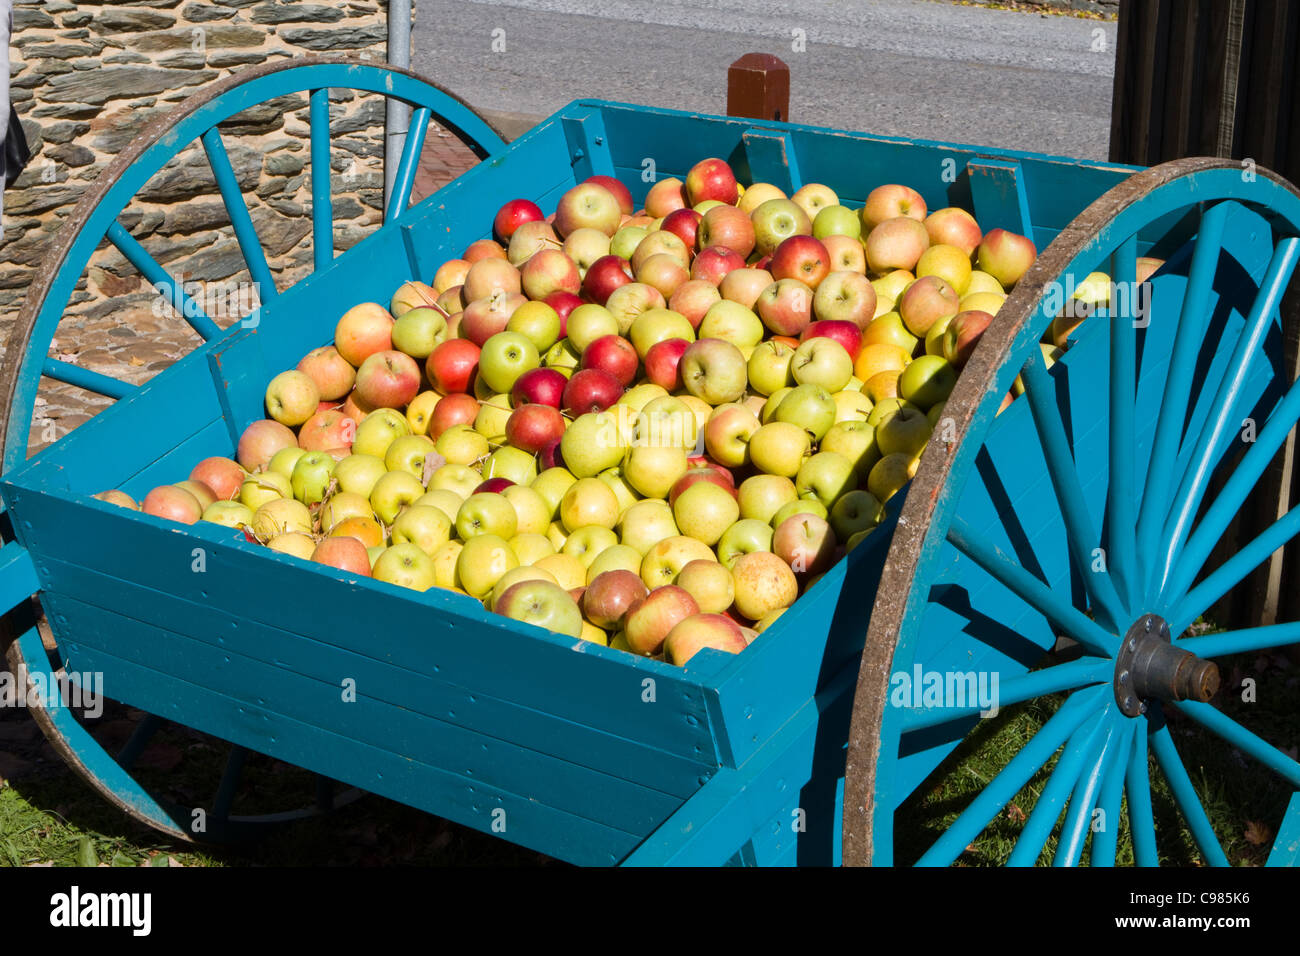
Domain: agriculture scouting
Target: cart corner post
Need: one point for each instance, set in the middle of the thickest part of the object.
(758, 87)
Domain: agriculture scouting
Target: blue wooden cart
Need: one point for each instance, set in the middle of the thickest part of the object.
(1083, 514)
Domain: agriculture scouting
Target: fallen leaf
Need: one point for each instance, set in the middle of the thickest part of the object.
(136, 361)
(1257, 834)
(1015, 814)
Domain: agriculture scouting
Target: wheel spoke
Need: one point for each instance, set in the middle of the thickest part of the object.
(1083, 539)
(322, 208)
(1248, 742)
(1121, 518)
(1033, 592)
(405, 176)
(1050, 680)
(1222, 420)
(88, 379)
(1185, 796)
(225, 797)
(1227, 575)
(1178, 385)
(1240, 641)
(139, 740)
(1074, 832)
(1137, 787)
(148, 267)
(1217, 517)
(1011, 778)
(1048, 806)
(1105, 838)
(232, 196)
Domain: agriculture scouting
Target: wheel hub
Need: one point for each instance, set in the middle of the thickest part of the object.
(1148, 666)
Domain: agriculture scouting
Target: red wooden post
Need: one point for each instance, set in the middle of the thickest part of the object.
(758, 87)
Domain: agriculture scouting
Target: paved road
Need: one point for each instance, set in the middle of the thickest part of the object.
(898, 67)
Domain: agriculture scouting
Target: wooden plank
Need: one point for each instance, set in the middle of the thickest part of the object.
(313, 656)
(770, 158)
(18, 579)
(1001, 199)
(340, 757)
(588, 143)
(241, 374)
(434, 632)
(399, 726)
(1286, 848)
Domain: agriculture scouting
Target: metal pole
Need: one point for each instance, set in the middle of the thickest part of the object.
(397, 115)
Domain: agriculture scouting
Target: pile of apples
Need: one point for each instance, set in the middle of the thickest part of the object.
(652, 429)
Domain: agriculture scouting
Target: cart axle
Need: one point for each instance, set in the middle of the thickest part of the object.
(1149, 666)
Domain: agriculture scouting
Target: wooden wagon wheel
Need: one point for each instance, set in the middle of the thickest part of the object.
(1170, 386)
(32, 650)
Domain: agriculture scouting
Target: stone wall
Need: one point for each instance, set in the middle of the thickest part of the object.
(86, 77)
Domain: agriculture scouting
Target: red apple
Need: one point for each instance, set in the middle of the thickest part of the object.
(604, 276)
(452, 365)
(621, 192)
(714, 262)
(711, 473)
(550, 270)
(539, 386)
(484, 318)
(664, 197)
(332, 373)
(803, 258)
(261, 440)
(613, 354)
(649, 619)
(327, 430)
(662, 361)
(954, 226)
(513, 215)
(345, 553)
(607, 599)
(963, 334)
(362, 331)
(890, 201)
(840, 330)
(533, 427)
(388, 379)
(223, 475)
(483, 249)
(684, 224)
(694, 298)
(563, 303)
(785, 307)
(590, 390)
(493, 486)
(726, 226)
(172, 503)
(588, 206)
(711, 179)
(455, 409)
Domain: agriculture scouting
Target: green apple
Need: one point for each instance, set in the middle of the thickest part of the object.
(710, 584)
(851, 406)
(392, 493)
(836, 221)
(532, 513)
(482, 562)
(587, 323)
(592, 443)
(461, 480)
(762, 495)
(293, 542)
(906, 432)
(279, 517)
(638, 396)
(531, 548)
(378, 430)
(513, 463)
(538, 322)
(543, 604)
(562, 356)
(343, 505)
(855, 511)
(715, 371)
(886, 409)
(733, 322)
(513, 577)
(616, 478)
(462, 445)
(588, 543)
(422, 525)
(809, 406)
(624, 242)
(419, 331)
(822, 361)
(927, 381)
(486, 512)
(658, 325)
(856, 441)
(408, 454)
(890, 474)
(704, 511)
(779, 448)
(358, 473)
(768, 414)
(506, 356)
(667, 557)
(646, 523)
(264, 486)
(490, 422)
(743, 537)
(589, 501)
(769, 367)
(551, 485)
(405, 565)
(311, 476)
(282, 461)
(617, 557)
(800, 506)
(825, 476)
(231, 514)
